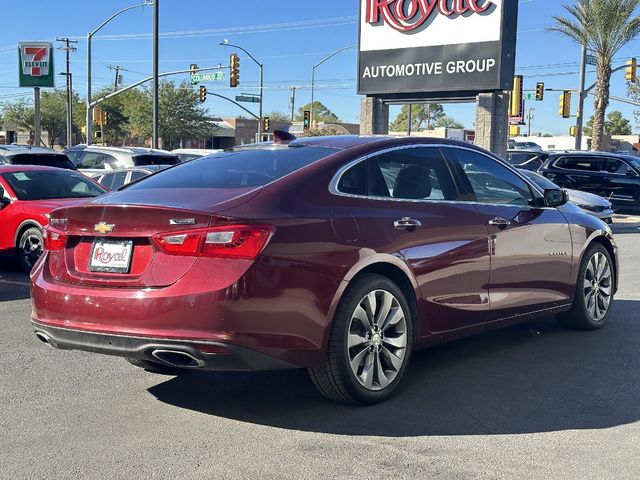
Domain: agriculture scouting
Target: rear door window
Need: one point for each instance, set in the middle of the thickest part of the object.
(588, 164)
(406, 174)
(92, 160)
(137, 175)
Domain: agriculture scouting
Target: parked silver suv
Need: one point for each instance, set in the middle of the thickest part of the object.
(95, 160)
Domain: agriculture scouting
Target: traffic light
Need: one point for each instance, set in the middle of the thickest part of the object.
(630, 74)
(514, 131)
(105, 118)
(193, 69)
(98, 118)
(515, 107)
(539, 92)
(202, 93)
(572, 130)
(307, 120)
(565, 104)
(266, 123)
(234, 61)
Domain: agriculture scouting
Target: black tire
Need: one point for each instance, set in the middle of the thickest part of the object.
(153, 367)
(335, 378)
(29, 248)
(581, 317)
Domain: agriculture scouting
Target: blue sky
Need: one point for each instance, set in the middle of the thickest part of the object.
(288, 36)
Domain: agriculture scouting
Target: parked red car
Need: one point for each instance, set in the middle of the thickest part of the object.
(28, 194)
(336, 254)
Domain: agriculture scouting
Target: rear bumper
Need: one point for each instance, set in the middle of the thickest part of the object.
(277, 311)
(237, 358)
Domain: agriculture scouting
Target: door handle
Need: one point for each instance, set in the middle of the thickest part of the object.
(407, 223)
(499, 222)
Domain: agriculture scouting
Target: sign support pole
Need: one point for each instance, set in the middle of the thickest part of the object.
(36, 119)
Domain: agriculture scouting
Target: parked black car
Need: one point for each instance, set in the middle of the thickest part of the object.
(26, 155)
(615, 177)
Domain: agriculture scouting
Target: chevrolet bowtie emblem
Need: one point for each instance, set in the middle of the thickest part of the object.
(103, 227)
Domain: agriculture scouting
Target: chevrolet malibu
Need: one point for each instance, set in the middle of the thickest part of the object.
(340, 255)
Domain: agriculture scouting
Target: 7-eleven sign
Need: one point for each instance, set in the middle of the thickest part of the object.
(36, 64)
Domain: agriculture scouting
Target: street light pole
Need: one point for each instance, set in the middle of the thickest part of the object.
(313, 79)
(89, 38)
(581, 96)
(261, 65)
(155, 86)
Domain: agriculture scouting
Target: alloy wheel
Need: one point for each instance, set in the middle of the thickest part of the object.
(597, 286)
(377, 340)
(31, 249)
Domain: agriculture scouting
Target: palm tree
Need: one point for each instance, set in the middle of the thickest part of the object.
(604, 27)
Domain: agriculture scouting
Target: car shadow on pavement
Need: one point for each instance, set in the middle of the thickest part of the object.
(533, 377)
(14, 283)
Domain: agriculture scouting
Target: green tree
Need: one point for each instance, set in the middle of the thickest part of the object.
(53, 108)
(615, 124)
(277, 116)
(322, 113)
(423, 116)
(181, 114)
(448, 122)
(118, 109)
(603, 26)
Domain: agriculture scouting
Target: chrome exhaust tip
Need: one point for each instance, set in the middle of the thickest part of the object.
(43, 337)
(177, 358)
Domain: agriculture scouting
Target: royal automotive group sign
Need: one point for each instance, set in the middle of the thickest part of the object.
(35, 64)
(436, 48)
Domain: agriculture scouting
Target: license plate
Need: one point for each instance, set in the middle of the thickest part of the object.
(111, 256)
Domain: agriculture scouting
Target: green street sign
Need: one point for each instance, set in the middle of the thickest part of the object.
(530, 96)
(35, 64)
(208, 77)
(248, 98)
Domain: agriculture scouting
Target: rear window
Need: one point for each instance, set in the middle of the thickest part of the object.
(46, 185)
(59, 161)
(144, 160)
(237, 168)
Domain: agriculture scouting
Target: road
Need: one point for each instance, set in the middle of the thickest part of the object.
(529, 402)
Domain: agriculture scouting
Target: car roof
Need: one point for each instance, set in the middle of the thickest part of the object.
(8, 168)
(150, 168)
(196, 151)
(9, 150)
(134, 150)
(381, 141)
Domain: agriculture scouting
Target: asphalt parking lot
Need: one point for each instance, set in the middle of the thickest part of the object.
(531, 401)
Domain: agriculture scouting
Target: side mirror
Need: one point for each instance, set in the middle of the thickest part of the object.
(555, 197)
(3, 200)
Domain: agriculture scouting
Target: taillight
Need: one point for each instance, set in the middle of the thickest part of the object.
(232, 241)
(53, 239)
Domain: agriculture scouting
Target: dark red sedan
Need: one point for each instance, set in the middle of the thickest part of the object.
(27, 196)
(338, 254)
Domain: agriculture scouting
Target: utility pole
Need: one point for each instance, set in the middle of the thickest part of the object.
(428, 116)
(408, 119)
(156, 105)
(36, 121)
(118, 69)
(68, 47)
(529, 119)
(293, 102)
(581, 95)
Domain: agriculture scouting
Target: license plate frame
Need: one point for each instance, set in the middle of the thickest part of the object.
(121, 268)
